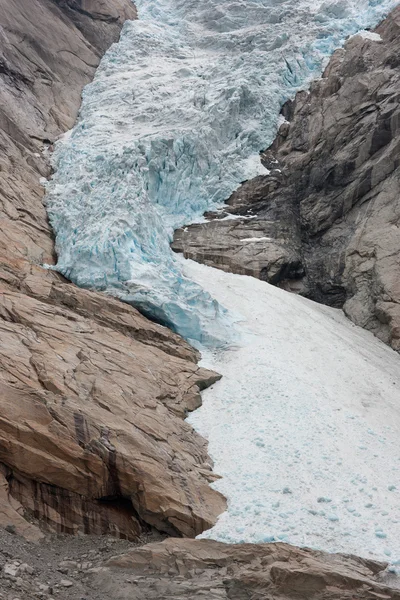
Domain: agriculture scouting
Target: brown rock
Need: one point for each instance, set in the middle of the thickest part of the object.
(12, 514)
(181, 569)
(92, 394)
(330, 208)
(97, 413)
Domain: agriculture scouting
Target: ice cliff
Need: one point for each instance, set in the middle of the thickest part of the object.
(172, 124)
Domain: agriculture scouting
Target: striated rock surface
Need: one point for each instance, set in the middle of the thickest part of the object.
(182, 569)
(92, 394)
(325, 221)
(91, 415)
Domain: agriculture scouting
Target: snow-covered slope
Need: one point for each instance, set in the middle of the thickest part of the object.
(304, 427)
(171, 125)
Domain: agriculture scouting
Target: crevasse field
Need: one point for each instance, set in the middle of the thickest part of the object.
(172, 123)
(304, 425)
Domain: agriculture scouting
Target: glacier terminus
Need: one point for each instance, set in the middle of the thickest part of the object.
(172, 124)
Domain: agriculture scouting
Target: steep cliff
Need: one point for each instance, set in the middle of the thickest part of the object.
(325, 221)
(92, 394)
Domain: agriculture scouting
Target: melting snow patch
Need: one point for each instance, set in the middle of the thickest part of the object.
(256, 239)
(370, 35)
(231, 217)
(253, 167)
(300, 393)
(282, 120)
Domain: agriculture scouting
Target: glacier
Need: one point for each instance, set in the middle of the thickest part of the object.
(171, 125)
(303, 426)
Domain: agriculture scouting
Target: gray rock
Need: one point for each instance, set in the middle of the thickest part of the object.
(11, 570)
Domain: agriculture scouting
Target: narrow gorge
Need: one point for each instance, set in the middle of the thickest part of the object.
(114, 418)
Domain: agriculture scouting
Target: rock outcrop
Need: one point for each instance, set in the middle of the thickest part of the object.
(92, 394)
(182, 569)
(325, 221)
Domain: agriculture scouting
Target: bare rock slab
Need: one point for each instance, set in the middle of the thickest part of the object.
(195, 569)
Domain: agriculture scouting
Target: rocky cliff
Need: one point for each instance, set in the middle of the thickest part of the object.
(92, 394)
(325, 221)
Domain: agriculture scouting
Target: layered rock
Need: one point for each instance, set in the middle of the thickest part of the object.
(325, 221)
(92, 394)
(92, 413)
(181, 569)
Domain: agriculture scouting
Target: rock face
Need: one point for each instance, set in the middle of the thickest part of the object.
(325, 221)
(92, 394)
(181, 569)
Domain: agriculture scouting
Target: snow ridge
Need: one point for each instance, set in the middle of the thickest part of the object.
(171, 125)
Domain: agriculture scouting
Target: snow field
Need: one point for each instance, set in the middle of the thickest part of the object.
(304, 426)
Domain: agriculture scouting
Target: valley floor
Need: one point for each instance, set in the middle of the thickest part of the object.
(304, 426)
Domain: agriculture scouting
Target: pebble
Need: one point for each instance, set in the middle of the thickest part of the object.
(11, 569)
(24, 568)
(66, 583)
(68, 563)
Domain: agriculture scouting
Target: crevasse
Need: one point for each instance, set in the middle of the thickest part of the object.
(171, 125)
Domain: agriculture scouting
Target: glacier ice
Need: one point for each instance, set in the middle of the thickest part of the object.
(171, 125)
(303, 426)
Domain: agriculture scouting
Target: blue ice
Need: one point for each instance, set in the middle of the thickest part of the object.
(171, 125)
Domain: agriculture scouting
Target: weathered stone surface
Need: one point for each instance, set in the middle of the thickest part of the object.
(182, 569)
(330, 208)
(92, 410)
(47, 54)
(12, 513)
(92, 394)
